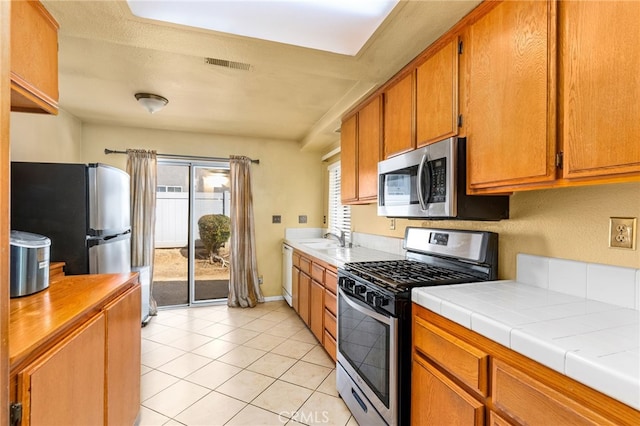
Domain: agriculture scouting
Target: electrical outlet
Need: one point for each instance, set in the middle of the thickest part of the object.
(276, 219)
(392, 224)
(622, 232)
(302, 218)
(260, 280)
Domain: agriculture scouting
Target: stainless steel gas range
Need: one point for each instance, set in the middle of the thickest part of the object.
(373, 374)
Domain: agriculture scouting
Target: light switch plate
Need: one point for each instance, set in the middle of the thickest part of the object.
(276, 219)
(622, 232)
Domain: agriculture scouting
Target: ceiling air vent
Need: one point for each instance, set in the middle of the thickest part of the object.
(227, 64)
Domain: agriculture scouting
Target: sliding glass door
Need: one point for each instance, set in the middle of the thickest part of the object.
(192, 233)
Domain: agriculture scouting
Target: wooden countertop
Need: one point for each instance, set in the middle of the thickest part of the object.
(37, 320)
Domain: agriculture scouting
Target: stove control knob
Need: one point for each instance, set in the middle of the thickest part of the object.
(369, 297)
(346, 283)
(359, 289)
(379, 300)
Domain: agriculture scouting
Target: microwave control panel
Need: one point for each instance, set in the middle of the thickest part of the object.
(438, 179)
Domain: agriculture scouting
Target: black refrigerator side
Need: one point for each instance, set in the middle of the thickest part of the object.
(51, 199)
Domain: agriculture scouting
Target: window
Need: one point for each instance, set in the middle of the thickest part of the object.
(169, 188)
(339, 215)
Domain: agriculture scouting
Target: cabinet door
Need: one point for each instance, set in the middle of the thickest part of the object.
(348, 159)
(123, 358)
(295, 289)
(369, 143)
(398, 117)
(66, 385)
(599, 87)
(437, 96)
(436, 400)
(510, 79)
(304, 296)
(34, 58)
(316, 309)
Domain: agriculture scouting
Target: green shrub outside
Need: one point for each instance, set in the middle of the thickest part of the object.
(215, 230)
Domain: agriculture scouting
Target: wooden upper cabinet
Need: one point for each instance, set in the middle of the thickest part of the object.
(349, 159)
(34, 58)
(437, 96)
(599, 88)
(510, 77)
(360, 142)
(398, 117)
(369, 143)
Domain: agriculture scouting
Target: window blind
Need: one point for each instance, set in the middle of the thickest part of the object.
(339, 215)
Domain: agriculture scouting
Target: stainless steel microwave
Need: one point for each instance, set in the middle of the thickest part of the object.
(430, 182)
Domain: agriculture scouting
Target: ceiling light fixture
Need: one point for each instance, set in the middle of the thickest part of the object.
(150, 102)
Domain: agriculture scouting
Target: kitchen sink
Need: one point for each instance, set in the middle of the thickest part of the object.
(319, 245)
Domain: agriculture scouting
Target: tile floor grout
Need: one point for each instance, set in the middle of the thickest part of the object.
(214, 365)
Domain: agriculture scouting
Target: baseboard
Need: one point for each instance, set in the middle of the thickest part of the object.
(273, 298)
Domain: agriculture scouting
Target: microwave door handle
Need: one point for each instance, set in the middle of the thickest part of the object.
(421, 197)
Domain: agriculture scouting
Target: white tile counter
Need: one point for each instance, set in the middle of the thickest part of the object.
(338, 256)
(586, 327)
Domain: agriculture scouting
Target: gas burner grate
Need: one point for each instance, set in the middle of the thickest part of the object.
(407, 273)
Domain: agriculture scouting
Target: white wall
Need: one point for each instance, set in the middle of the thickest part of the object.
(46, 138)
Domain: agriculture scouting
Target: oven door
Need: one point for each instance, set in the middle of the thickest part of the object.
(367, 351)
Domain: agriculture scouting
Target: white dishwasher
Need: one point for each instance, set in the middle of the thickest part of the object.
(287, 265)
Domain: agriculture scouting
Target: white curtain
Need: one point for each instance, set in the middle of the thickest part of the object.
(244, 289)
(142, 167)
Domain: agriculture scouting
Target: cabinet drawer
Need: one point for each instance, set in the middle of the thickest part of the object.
(330, 302)
(317, 272)
(330, 323)
(329, 344)
(331, 281)
(467, 363)
(305, 265)
(527, 400)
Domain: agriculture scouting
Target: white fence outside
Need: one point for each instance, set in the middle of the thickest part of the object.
(172, 215)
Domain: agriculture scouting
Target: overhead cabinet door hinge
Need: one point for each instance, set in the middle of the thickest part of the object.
(15, 414)
(460, 120)
(559, 160)
(460, 47)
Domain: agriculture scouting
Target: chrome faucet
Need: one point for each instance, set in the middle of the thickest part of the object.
(340, 238)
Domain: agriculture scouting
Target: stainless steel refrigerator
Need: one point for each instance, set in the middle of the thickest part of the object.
(83, 208)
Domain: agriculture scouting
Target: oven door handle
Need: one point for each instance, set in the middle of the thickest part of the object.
(365, 310)
(421, 198)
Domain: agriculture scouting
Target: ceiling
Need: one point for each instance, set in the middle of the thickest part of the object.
(289, 93)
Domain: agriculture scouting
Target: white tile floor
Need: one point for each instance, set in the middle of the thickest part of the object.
(229, 366)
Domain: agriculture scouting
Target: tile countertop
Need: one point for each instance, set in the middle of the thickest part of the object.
(336, 255)
(592, 341)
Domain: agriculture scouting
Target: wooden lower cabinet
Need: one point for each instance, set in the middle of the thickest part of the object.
(88, 371)
(123, 359)
(295, 289)
(444, 389)
(314, 298)
(66, 385)
(436, 400)
(316, 310)
(304, 297)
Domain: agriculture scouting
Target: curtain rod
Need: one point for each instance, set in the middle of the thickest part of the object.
(182, 157)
